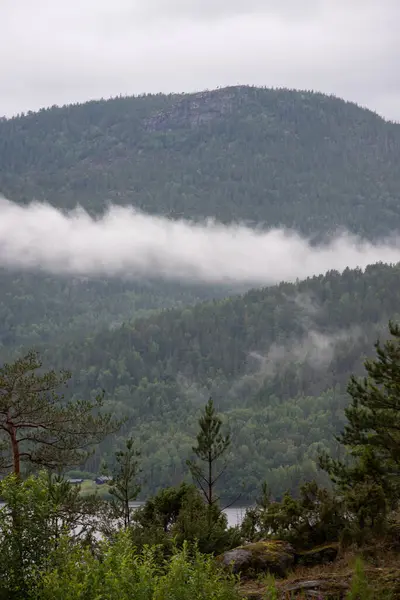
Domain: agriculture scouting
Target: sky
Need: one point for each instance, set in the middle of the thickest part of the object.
(63, 51)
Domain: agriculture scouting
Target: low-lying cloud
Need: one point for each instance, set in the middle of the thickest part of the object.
(125, 243)
(314, 348)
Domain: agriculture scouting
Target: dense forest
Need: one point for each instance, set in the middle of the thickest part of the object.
(276, 362)
(268, 157)
(279, 157)
(190, 396)
(57, 541)
(37, 308)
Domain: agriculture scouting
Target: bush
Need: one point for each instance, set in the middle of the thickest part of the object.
(121, 573)
(177, 514)
(38, 511)
(315, 518)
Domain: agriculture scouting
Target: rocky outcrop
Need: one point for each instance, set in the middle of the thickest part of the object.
(272, 556)
(194, 110)
(318, 588)
(320, 555)
(324, 588)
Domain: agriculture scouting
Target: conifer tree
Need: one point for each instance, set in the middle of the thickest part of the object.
(38, 426)
(211, 446)
(372, 434)
(124, 487)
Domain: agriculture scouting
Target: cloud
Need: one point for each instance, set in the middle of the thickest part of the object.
(315, 348)
(125, 243)
(61, 52)
(216, 9)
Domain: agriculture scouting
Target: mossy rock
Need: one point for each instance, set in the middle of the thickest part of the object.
(271, 556)
(321, 555)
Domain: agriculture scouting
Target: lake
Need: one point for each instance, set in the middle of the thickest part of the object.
(235, 514)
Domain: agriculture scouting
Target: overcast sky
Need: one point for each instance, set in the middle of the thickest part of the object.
(61, 51)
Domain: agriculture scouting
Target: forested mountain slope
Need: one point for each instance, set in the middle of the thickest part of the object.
(272, 157)
(276, 361)
(299, 159)
(37, 308)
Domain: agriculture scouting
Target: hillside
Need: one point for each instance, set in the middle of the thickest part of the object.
(299, 159)
(276, 361)
(37, 308)
(274, 157)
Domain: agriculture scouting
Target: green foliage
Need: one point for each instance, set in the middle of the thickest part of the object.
(373, 416)
(39, 427)
(38, 310)
(360, 589)
(211, 446)
(315, 518)
(271, 591)
(206, 525)
(283, 157)
(369, 480)
(26, 535)
(279, 157)
(163, 509)
(282, 392)
(37, 513)
(122, 573)
(253, 523)
(176, 514)
(124, 487)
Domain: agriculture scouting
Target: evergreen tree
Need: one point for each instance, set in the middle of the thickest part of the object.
(374, 414)
(370, 478)
(124, 487)
(39, 427)
(211, 446)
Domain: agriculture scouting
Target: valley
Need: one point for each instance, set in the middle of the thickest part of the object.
(276, 360)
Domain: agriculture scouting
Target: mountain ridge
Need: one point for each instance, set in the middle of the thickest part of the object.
(267, 154)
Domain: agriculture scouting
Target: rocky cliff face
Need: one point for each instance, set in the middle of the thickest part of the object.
(194, 110)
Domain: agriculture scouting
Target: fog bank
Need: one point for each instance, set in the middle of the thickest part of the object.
(126, 243)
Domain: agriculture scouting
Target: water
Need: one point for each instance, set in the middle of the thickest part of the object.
(235, 514)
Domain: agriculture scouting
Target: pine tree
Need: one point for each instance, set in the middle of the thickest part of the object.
(211, 446)
(39, 427)
(124, 487)
(370, 478)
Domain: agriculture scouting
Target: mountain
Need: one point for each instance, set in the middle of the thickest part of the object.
(299, 159)
(274, 157)
(276, 361)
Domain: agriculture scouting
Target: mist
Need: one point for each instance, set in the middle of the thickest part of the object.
(126, 243)
(316, 348)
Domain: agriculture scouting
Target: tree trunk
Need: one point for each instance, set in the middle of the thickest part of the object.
(210, 493)
(15, 451)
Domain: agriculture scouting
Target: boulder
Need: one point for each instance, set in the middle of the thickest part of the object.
(320, 555)
(266, 556)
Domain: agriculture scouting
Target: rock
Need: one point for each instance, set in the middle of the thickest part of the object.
(318, 588)
(271, 556)
(320, 555)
